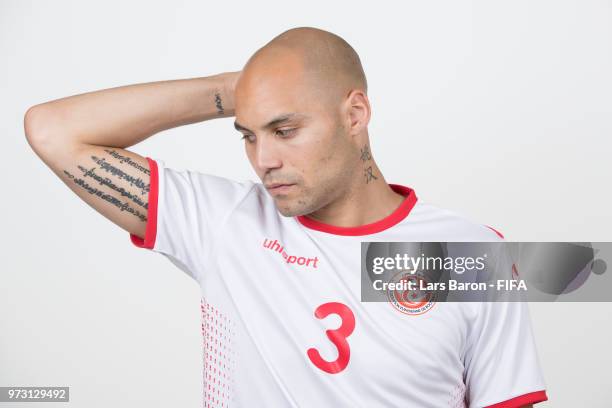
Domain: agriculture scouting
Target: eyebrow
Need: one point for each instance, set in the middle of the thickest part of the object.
(274, 122)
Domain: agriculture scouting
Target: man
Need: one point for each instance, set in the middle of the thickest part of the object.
(278, 262)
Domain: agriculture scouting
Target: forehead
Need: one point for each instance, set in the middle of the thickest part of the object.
(271, 87)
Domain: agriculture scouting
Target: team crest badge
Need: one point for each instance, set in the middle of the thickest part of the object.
(416, 301)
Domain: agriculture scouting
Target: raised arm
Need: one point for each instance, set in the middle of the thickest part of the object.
(83, 138)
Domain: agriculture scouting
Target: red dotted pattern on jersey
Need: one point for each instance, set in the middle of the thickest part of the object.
(218, 333)
(457, 397)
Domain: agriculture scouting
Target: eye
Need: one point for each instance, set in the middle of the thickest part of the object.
(285, 132)
(249, 138)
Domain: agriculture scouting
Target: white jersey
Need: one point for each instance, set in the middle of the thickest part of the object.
(282, 320)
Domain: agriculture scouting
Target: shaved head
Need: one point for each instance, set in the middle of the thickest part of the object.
(330, 65)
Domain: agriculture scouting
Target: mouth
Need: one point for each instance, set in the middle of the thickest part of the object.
(276, 189)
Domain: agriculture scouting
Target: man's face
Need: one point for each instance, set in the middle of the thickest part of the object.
(293, 137)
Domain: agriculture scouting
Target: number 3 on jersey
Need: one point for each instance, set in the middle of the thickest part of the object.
(337, 336)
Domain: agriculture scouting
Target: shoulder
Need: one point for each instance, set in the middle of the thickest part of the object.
(199, 191)
(452, 224)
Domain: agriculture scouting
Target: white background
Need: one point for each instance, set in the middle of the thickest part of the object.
(501, 111)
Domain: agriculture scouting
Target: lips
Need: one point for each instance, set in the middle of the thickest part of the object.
(274, 185)
(278, 188)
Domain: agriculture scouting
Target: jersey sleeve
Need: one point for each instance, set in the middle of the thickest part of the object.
(502, 369)
(185, 210)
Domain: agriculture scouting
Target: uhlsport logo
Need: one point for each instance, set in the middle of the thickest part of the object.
(276, 246)
(415, 301)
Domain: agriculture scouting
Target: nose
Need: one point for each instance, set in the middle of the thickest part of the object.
(267, 154)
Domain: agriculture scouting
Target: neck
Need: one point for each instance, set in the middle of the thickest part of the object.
(366, 200)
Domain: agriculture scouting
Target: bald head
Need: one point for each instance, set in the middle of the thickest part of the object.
(329, 66)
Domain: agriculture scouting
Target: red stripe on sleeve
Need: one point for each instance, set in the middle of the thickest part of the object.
(517, 402)
(151, 229)
(499, 234)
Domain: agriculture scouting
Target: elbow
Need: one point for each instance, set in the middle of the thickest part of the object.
(37, 125)
(33, 125)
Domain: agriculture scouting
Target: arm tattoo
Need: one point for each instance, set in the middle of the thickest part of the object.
(219, 104)
(111, 174)
(107, 197)
(134, 181)
(125, 159)
(105, 181)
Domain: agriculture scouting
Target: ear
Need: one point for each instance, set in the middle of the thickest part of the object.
(358, 111)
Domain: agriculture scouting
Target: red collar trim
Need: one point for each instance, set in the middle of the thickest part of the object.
(395, 217)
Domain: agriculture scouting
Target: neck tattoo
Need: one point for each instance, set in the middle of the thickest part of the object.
(366, 158)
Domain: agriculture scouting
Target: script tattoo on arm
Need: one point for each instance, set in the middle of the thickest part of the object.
(105, 181)
(366, 158)
(124, 159)
(219, 104)
(110, 174)
(120, 174)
